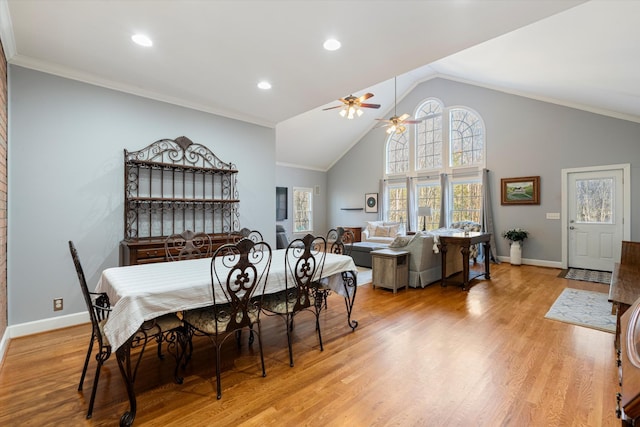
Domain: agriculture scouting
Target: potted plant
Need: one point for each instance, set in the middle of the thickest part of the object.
(516, 236)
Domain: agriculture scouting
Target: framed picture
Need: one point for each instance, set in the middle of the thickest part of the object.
(371, 202)
(520, 191)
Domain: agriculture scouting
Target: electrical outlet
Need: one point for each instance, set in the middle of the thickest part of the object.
(57, 304)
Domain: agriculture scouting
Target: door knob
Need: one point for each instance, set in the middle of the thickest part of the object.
(572, 228)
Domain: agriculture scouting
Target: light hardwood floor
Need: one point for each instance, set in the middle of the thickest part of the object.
(424, 357)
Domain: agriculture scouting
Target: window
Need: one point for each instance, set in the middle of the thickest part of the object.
(467, 201)
(302, 210)
(429, 194)
(594, 200)
(397, 199)
(466, 139)
(446, 140)
(429, 136)
(397, 154)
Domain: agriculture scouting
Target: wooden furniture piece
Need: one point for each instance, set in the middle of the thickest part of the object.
(357, 233)
(624, 290)
(144, 291)
(171, 186)
(465, 240)
(629, 399)
(390, 269)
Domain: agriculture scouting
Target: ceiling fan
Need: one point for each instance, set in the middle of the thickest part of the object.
(352, 105)
(395, 123)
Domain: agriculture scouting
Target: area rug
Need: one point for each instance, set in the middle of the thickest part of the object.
(583, 308)
(587, 275)
(364, 276)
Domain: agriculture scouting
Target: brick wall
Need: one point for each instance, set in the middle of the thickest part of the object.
(3, 192)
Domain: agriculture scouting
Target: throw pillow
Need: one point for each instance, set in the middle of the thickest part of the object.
(393, 230)
(381, 231)
(400, 241)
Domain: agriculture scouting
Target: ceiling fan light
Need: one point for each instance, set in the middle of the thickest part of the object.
(391, 129)
(359, 112)
(343, 112)
(351, 112)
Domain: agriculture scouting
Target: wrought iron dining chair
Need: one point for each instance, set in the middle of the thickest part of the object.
(187, 245)
(340, 242)
(304, 261)
(163, 328)
(237, 271)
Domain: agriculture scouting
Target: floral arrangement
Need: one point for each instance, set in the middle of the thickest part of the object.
(515, 234)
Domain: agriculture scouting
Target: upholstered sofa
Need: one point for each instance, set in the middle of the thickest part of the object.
(425, 261)
(381, 232)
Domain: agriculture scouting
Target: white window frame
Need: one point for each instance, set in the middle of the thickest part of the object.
(467, 173)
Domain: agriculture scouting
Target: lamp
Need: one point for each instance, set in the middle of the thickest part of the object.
(424, 211)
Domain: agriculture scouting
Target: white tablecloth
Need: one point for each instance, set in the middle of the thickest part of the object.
(143, 292)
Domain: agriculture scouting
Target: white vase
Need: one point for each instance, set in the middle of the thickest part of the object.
(516, 253)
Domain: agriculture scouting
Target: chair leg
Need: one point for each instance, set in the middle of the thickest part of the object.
(94, 388)
(318, 329)
(218, 385)
(86, 363)
(264, 372)
(289, 329)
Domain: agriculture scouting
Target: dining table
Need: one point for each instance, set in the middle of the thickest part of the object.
(144, 292)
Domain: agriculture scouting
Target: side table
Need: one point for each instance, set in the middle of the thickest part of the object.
(390, 269)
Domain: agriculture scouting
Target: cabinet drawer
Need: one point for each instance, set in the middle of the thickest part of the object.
(143, 253)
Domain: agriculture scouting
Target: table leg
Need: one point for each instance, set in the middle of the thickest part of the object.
(349, 280)
(487, 255)
(465, 266)
(123, 356)
(443, 251)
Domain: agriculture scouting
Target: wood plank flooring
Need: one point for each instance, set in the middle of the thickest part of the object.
(424, 357)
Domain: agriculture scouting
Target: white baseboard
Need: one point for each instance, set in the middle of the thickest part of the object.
(37, 326)
(536, 262)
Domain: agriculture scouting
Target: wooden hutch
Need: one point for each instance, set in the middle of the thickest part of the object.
(171, 186)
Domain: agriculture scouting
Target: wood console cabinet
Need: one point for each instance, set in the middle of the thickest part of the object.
(171, 186)
(357, 233)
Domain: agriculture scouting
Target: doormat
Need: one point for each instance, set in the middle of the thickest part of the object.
(583, 308)
(587, 275)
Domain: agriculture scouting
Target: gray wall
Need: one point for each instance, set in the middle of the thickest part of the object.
(297, 177)
(524, 137)
(66, 179)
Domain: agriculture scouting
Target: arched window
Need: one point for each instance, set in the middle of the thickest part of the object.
(398, 154)
(429, 135)
(467, 138)
(446, 140)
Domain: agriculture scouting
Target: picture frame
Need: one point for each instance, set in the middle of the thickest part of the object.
(371, 202)
(520, 191)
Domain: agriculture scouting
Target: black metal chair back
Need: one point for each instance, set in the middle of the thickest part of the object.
(187, 245)
(99, 308)
(304, 261)
(237, 271)
(340, 241)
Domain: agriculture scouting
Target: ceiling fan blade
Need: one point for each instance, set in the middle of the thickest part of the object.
(404, 117)
(416, 121)
(370, 105)
(331, 108)
(384, 120)
(365, 97)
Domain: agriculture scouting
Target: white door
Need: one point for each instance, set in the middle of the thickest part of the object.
(595, 218)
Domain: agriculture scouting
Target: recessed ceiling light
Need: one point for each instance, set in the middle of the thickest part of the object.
(332, 44)
(264, 85)
(142, 40)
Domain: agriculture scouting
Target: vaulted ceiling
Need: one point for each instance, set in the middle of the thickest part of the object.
(210, 55)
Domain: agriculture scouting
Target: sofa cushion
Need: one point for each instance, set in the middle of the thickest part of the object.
(383, 231)
(401, 241)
